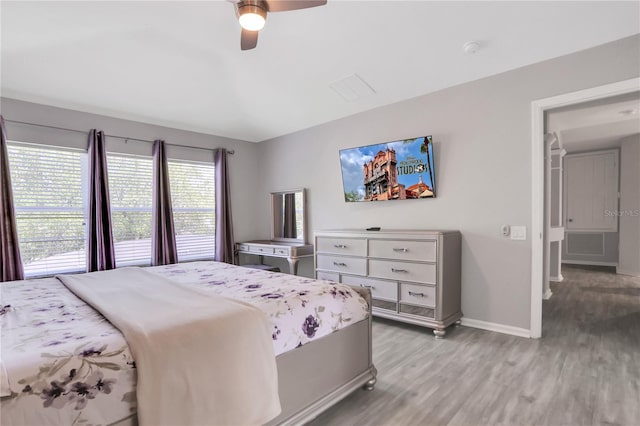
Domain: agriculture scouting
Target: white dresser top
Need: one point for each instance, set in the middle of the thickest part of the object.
(387, 232)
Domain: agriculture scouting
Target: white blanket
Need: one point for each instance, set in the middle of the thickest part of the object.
(201, 359)
(5, 388)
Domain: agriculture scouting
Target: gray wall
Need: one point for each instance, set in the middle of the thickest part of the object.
(629, 257)
(482, 136)
(242, 166)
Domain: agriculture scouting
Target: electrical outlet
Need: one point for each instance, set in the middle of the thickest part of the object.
(518, 232)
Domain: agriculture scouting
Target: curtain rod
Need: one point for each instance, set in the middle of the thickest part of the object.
(229, 151)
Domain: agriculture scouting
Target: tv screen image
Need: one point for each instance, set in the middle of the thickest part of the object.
(398, 170)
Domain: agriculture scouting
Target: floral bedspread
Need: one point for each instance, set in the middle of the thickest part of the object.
(300, 309)
(62, 362)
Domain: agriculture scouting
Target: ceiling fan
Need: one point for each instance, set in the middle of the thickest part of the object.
(252, 14)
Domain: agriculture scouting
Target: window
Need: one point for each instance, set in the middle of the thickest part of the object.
(193, 199)
(48, 194)
(131, 192)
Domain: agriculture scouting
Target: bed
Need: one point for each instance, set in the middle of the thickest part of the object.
(64, 363)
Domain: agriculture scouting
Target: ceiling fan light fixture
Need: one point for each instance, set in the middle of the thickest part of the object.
(252, 17)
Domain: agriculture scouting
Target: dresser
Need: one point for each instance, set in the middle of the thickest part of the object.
(291, 251)
(413, 275)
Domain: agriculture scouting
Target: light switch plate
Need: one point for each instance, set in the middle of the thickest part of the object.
(518, 232)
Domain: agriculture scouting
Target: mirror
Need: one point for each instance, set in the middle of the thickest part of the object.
(288, 216)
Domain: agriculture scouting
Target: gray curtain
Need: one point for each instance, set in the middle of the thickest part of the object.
(290, 225)
(100, 250)
(10, 261)
(224, 225)
(163, 238)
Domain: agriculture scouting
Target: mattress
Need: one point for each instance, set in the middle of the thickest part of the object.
(63, 363)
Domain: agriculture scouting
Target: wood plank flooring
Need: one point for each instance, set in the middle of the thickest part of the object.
(584, 371)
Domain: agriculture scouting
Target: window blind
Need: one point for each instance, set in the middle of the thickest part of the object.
(193, 200)
(50, 211)
(131, 192)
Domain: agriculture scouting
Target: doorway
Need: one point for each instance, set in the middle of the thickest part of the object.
(539, 232)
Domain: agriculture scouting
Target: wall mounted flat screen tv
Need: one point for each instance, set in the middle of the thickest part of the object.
(398, 170)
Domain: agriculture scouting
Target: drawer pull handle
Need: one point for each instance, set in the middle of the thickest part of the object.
(339, 246)
(401, 250)
(398, 270)
(412, 293)
(339, 264)
(367, 286)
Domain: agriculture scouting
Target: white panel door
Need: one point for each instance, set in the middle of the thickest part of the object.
(592, 191)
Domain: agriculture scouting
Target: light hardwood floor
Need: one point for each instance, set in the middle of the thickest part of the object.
(584, 371)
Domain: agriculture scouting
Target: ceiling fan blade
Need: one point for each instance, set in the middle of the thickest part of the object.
(284, 5)
(248, 39)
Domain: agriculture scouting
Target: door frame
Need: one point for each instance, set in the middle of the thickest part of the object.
(538, 108)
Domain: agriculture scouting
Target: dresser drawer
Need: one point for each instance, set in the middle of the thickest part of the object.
(348, 246)
(418, 295)
(282, 251)
(243, 247)
(260, 249)
(421, 311)
(403, 271)
(350, 265)
(329, 276)
(403, 250)
(387, 290)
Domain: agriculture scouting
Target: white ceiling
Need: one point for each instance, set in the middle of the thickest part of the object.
(179, 63)
(596, 125)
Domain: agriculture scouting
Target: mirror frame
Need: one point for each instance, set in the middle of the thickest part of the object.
(273, 195)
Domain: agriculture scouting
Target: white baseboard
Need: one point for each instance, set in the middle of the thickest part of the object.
(547, 294)
(588, 262)
(630, 273)
(557, 279)
(499, 328)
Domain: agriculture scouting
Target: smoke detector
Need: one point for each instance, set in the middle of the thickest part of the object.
(471, 47)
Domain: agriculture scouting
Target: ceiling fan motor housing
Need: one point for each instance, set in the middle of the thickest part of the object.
(251, 6)
(252, 15)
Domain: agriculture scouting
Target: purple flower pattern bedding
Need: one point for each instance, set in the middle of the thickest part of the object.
(63, 363)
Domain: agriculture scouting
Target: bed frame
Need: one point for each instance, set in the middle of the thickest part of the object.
(319, 374)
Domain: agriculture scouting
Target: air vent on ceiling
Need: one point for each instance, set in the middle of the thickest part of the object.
(352, 88)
